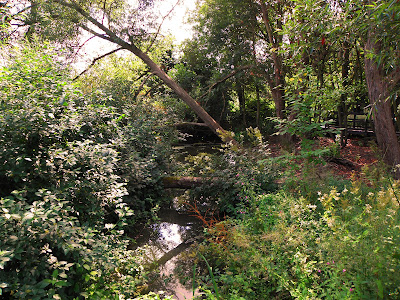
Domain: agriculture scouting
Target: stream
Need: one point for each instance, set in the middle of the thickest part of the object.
(162, 245)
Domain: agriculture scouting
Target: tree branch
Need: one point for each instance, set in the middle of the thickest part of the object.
(142, 85)
(22, 10)
(110, 36)
(224, 79)
(159, 27)
(155, 69)
(80, 47)
(100, 35)
(267, 23)
(95, 60)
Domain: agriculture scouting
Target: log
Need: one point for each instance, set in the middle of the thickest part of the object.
(343, 162)
(190, 124)
(173, 182)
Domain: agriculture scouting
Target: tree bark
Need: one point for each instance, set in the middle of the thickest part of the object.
(343, 109)
(258, 106)
(242, 100)
(379, 88)
(276, 83)
(32, 21)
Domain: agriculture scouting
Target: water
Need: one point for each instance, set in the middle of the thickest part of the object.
(182, 151)
(163, 244)
(161, 248)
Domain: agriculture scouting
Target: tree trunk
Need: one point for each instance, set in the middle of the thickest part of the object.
(258, 106)
(182, 94)
(32, 22)
(276, 83)
(379, 91)
(242, 101)
(111, 36)
(343, 109)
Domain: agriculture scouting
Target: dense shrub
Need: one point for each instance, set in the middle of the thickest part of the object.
(344, 246)
(69, 167)
(235, 174)
(47, 253)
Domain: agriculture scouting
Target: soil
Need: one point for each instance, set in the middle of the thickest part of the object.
(357, 154)
(358, 151)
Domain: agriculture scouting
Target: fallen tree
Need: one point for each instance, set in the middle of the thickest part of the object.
(174, 182)
(109, 33)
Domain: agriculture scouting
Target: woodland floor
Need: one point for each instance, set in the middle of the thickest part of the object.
(357, 154)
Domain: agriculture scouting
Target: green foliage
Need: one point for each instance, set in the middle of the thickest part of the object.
(47, 253)
(382, 19)
(235, 174)
(343, 246)
(154, 296)
(71, 171)
(310, 106)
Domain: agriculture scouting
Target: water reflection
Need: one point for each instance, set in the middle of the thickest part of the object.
(160, 251)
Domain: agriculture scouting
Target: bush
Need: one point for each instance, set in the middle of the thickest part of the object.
(46, 252)
(235, 175)
(67, 165)
(344, 247)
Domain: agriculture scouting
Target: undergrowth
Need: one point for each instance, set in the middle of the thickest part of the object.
(336, 240)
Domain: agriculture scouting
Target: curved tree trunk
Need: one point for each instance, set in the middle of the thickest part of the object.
(379, 88)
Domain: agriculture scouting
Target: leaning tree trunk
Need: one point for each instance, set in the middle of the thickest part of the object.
(379, 88)
(111, 36)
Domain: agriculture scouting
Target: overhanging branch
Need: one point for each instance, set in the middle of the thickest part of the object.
(240, 69)
(95, 60)
(155, 69)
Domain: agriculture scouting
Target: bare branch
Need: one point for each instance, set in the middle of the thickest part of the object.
(104, 12)
(159, 27)
(23, 10)
(142, 85)
(95, 60)
(224, 79)
(80, 47)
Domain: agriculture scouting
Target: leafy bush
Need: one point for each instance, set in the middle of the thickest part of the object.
(46, 252)
(68, 167)
(235, 175)
(342, 247)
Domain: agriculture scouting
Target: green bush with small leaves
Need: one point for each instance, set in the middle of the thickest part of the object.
(341, 246)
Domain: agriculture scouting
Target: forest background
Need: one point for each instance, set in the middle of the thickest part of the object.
(84, 156)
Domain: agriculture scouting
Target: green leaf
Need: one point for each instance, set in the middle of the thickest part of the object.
(62, 283)
(44, 283)
(380, 288)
